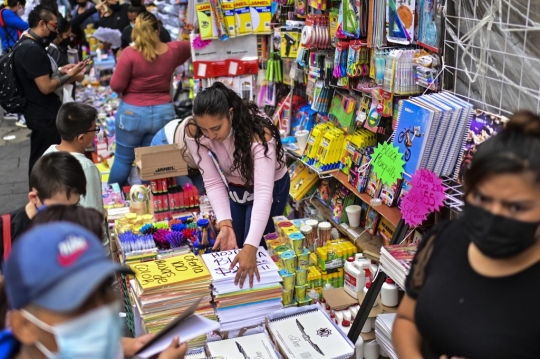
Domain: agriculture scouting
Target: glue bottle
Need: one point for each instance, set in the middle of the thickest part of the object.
(359, 347)
(314, 296)
(389, 293)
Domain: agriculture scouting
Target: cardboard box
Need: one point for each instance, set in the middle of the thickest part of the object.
(160, 162)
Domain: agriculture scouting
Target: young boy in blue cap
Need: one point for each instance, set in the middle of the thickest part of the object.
(58, 283)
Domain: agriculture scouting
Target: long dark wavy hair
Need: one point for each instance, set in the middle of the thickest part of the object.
(248, 124)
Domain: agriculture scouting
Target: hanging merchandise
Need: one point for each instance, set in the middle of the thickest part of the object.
(261, 16)
(219, 17)
(430, 27)
(230, 16)
(426, 69)
(351, 21)
(300, 8)
(290, 39)
(343, 111)
(340, 63)
(358, 59)
(315, 33)
(400, 25)
(243, 17)
(207, 24)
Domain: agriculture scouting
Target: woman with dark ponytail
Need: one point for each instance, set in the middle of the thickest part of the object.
(242, 161)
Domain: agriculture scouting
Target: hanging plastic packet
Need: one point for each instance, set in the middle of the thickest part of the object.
(219, 16)
(350, 23)
(230, 17)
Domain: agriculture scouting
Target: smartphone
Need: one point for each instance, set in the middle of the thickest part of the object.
(88, 62)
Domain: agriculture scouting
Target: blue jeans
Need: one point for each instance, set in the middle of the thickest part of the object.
(135, 127)
(241, 213)
(195, 179)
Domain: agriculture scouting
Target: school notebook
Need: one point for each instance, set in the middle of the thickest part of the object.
(309, 335)
(250, 346)
(412, 134)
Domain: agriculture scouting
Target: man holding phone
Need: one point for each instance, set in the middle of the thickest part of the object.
(35, 73)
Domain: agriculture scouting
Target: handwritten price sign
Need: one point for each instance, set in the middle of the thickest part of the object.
(387, 163)
(426, 195)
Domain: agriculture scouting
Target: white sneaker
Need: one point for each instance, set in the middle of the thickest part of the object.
(21, 122)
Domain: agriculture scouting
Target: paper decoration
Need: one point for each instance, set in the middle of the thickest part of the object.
(387, 163)
(426, 195)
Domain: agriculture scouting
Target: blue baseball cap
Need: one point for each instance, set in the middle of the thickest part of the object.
(56, 266)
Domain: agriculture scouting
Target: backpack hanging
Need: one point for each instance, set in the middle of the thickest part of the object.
(11, 92)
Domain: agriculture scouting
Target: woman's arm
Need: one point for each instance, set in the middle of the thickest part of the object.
(213, 182)
(264, 168)
(13, 21)
(183, 51)
(79, 19)
(122, 73)
(405, 335)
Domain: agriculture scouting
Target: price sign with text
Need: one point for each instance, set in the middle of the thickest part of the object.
(426, 195)
(387, 163)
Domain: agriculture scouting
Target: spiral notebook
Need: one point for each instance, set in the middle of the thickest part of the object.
(309, 335)
(250, 346)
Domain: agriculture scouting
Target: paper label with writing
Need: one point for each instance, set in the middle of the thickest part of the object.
(387, 163)
(174, 270)
(219, 263)
(426, 195)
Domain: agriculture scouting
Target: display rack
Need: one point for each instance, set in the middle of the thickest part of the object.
(370, 245)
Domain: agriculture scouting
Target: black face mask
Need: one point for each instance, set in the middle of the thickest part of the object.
(115, 7)
(498, 236)
(65, 42)
(50, 38)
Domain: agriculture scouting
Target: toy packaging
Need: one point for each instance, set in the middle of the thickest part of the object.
(372, 221)
(390, 193)
(386, 231)
(374, 185)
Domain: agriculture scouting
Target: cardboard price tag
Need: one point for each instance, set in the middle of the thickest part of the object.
(387, 163)
(426, 195)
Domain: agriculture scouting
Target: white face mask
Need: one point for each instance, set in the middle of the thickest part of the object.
(20, 12)
(93, 335)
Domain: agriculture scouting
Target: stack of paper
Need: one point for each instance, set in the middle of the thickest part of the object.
(396, 261)
(162, 289)
(383, 333)
(242, 307)
(251, 346)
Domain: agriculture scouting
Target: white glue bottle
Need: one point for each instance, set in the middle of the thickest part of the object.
(314, 296)
(359, 347)
(366, 288)
(367, 326)
(339, 317)
(354, 278)
(371, 350)
(389, 293)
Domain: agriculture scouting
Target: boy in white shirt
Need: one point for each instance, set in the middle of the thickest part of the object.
(76, 123)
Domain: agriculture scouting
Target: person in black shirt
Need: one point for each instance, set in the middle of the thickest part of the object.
(58, 47)
(472, 291)
(114, 15)
(133, 12)
(57, 178)
(35, 73)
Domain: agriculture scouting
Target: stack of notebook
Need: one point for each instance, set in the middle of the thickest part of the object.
(432, 131)
(396, 261)
(383, 333)
(162, 289)
(242, 307)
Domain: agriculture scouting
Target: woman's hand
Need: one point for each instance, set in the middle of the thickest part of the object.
(226, 239)
(131, 346)
(247, 265)
(174, 351)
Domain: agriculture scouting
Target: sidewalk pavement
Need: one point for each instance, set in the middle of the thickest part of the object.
(14, 154)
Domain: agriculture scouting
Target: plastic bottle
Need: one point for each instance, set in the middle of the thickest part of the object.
(359, 347)
(339, 317)
(354, 278)
(367, 326)
(327, 286)
(347, 315)
(314, 296)
(341, 274)
(371, 350)
(354, 311)
(345, 326)
(366, 288)
(389, 293)
(374, 267)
